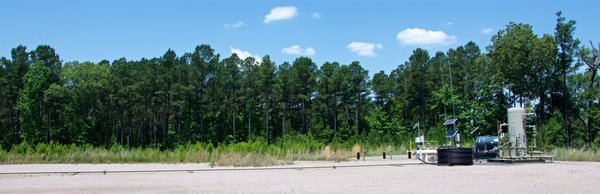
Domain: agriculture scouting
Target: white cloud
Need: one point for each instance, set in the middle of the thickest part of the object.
(298, 50)
(418, 36)
(316, 15)
(449, 23)
(243, 54)
(235, 25)
(364, 48)
(487, 30)
(281, 13)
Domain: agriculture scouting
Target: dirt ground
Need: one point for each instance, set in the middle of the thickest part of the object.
(301, 177)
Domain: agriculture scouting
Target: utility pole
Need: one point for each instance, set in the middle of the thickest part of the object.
(451, 90)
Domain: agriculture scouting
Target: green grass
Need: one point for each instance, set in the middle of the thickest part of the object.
(572, 154)
(255, 153)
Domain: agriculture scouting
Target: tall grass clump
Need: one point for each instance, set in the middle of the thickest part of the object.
(573, 154)
(253, 153)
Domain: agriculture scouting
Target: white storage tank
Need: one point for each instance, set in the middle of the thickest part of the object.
(516, 132)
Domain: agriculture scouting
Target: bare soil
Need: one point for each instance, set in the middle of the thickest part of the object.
(557, 177)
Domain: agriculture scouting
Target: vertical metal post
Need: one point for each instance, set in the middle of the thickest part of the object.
(451, 90)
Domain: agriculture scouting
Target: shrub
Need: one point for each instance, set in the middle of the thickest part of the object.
(23, 148)
(553, 130)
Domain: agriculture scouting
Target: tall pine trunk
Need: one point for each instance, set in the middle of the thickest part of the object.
(154, 123)
(48, 129)
(167, 113)
(591, 103)
(249, 123)
(566, 113)
(122, 125)
(130, 126)
(266, 115)
(335, 120)
(356, 116)
(233, 123)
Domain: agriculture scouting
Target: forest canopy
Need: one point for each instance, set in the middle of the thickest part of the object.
(201, 96)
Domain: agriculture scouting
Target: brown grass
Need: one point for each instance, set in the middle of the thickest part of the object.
(572, 154)
(250, 159)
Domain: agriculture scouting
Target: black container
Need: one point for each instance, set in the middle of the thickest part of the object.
(455, 156)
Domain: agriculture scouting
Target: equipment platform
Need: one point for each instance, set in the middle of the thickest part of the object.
(542, 159)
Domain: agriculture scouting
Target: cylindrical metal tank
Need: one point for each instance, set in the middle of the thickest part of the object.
(487, 142)
(516, 131)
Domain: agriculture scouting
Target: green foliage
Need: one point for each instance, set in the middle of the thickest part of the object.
(523, 61)
(255, 153)
(199, 100)
(30, 101)
(384, 127)
(553, 130)
(596, 144)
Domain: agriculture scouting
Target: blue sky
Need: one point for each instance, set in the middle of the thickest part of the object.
(379, 34)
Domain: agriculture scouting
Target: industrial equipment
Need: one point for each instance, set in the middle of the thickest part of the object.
(513, 145)
(452, 153)
(425, 150)
(485, 147)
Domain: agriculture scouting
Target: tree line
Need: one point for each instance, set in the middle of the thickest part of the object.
(201, 97)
